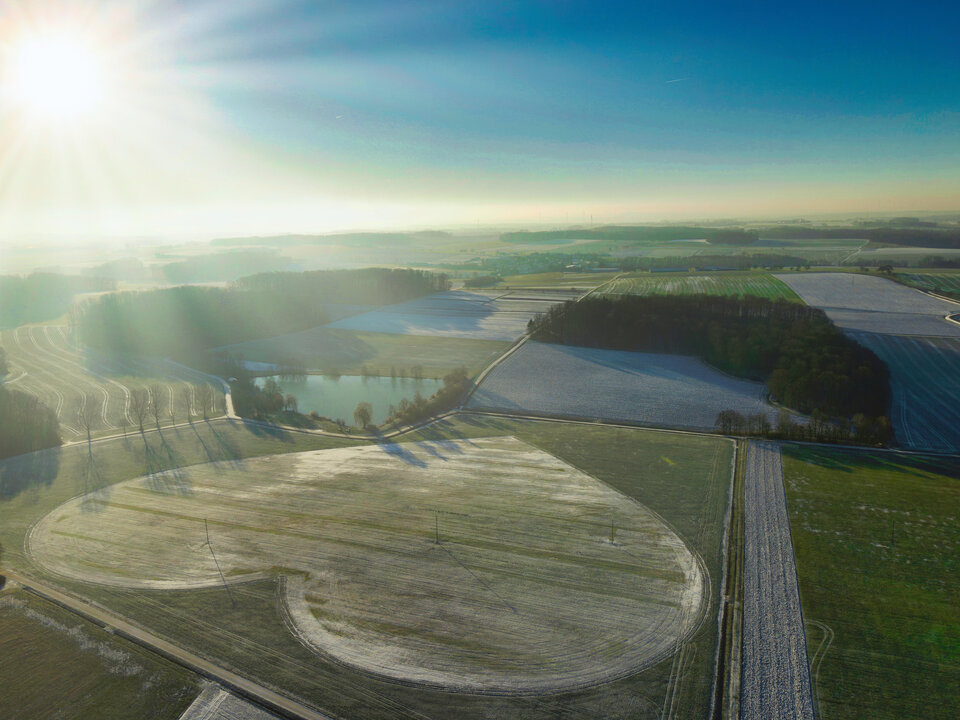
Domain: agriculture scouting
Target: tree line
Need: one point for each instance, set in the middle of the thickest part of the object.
(860, 429)
(638, 233)
(177, 322)
(28, 425)
(806, 362)
(42, 296)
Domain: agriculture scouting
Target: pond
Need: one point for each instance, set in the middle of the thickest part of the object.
(337, 397)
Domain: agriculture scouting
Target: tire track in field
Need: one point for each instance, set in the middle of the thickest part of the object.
(775, 672)
(53, 366)
(24, 358)
(58, 357)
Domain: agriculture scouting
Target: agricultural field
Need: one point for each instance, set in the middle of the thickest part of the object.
(572, 281)
(944, 281)
(347, 352)
(925, 384)
(877, 545)
(54, 664)
(540, 578)
(733, 284)
(866, 303)
(524, 511)
(648, 388)
(455, 314)
(215, 703)
(80, 385)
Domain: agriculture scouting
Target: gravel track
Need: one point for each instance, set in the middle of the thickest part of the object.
(776, 675)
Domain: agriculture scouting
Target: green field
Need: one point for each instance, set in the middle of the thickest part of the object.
(557, 280)
(878, 558)
(936, 281)
(733, 284)
(349, 352)
(56, 665)
(683, 479)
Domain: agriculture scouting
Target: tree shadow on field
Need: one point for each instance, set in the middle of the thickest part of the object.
(850, 461)
(163, 471)
(32, 471)
(96, 488)
(225, 450)
(398, 451)
(274, 432)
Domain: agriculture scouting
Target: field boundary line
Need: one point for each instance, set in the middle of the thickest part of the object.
(111, 622)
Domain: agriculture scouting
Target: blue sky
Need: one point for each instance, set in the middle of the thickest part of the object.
(645, 109)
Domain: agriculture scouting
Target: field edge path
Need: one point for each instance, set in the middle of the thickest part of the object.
(775, 669)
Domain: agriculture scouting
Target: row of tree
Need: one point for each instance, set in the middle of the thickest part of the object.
(27, 424)
(456, 385)
(861, 429)
(806, 361)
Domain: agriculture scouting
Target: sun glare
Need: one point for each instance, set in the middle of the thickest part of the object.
(55, 77)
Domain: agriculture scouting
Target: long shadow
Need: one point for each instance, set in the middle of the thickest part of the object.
(226, 452)
(163, 471)
(850, 461)
(28, 472)
(96, 488)
(398, 451)
(272, 431)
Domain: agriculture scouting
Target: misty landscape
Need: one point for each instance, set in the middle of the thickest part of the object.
(524, 361)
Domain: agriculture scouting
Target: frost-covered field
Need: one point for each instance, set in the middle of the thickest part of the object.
(649, 388)
(215, 703)
(925, 375)
(75, 383)
(457, 314)
(485, 565)
(864, 303)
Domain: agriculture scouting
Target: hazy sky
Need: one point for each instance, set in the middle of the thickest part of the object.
(247, 116)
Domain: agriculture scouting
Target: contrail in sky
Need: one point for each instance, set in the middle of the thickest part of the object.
(677, 80)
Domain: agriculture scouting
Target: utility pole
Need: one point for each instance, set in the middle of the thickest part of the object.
(206, 529)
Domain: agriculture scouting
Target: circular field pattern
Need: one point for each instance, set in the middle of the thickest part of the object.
(480, 565)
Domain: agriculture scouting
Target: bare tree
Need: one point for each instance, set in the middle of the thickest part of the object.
(87, 414)
(290, 403)
(140, 404)
(156, 402)
(187, 395)
(205, 392)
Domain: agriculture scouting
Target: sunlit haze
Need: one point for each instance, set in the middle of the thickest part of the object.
(163, 119)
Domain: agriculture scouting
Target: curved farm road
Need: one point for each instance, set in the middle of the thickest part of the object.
(245, 687)
(775, 674)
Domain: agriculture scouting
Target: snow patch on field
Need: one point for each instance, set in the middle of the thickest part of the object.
(453, 314)
(649, 388)
(864, 303)
(481, 565)
(925, 380)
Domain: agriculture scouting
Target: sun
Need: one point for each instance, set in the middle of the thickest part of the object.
(55, 77)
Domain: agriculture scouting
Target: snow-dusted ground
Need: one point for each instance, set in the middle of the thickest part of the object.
(453, 314)
(925, 379)
(776, 674)
(649, 388)
(864, 303)
(484, 565)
